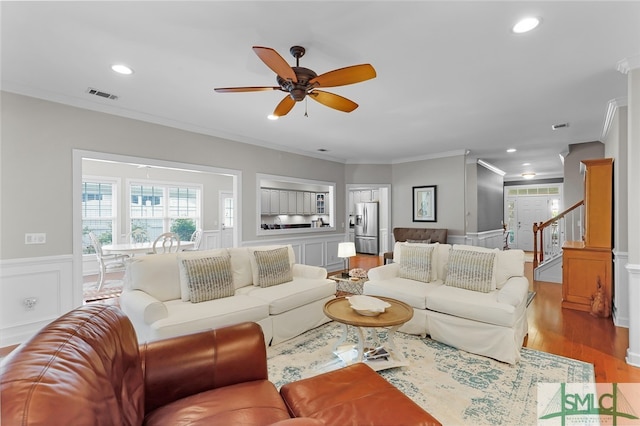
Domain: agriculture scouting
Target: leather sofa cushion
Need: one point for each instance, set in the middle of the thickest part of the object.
(250, 403)
(353, 394)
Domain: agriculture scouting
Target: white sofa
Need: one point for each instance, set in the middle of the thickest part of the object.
(492, 323)
(156, 296)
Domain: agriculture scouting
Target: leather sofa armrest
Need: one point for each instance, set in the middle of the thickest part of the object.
(181, 366)
(308, 271)
(384, 272)
(142, 307)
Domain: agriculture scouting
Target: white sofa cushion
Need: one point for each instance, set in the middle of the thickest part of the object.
(473, 305)
(510, 264)
(298, 292)
(411, 292)
(416, 263)
(241, 267)
(207, 278)
(157, 275)
(185, 318)
(472, 268)
(184, 279)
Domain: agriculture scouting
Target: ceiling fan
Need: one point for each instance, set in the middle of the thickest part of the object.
(300, 82)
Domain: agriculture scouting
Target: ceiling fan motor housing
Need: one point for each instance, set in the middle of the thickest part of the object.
(300, 89)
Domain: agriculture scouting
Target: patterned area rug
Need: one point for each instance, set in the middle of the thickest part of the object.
(110, 290)
(456, 387)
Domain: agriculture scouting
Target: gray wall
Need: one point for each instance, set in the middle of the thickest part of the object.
(616, 147)
(38, 138)
(573, 190)
(448, 174)
(490, 199)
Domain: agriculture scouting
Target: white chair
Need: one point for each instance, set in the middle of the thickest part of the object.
(169, 242)
(106, 262)
(196, 239)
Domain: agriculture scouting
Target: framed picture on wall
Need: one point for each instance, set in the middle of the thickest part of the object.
(424, 203)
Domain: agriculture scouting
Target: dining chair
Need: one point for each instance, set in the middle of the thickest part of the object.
(106, 262)
(196, 239)
(169, 242)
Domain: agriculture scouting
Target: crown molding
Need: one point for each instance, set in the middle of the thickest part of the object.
(430, 156)
(627, 64)
(612, 107)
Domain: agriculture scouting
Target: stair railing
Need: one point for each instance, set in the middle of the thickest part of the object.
(555, 232)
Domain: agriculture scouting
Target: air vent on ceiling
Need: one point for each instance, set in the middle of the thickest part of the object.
(100, 93)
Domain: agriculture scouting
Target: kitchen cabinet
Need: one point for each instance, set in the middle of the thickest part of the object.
(284, 202)
(292, 202)
(274, 203)
(320, 203)
(306, 203)
(265, 201)
(299, 202)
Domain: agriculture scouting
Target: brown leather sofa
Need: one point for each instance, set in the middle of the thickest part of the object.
(86, 368)
(434, 235)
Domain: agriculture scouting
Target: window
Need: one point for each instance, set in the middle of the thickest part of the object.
(98, 211)
(228, 212)
(158, 208)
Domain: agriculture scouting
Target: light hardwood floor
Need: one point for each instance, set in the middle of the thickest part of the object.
(565, 332)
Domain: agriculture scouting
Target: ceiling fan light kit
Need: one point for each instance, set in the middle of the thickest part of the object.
(299, 82)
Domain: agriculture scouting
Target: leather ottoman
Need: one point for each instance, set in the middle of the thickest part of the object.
(353, 395)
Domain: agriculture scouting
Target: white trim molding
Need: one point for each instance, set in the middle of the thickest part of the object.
(627, 64)
(612, 107)
(620, 308)
(633, 352)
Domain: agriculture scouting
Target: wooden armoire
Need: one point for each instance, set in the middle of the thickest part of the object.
(586, 262)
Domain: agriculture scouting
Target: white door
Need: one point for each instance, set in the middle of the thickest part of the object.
(530, 210)
(226, 219)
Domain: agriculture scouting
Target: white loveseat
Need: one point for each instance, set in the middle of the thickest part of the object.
(157, 296)
(491, 323)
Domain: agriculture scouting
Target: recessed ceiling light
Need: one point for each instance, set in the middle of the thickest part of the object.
(122, 69)
(526, 164)
(526, 25)
(272, 117)
(510, 150)
(528, 175)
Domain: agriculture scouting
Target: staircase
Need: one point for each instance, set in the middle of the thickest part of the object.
(548, 239)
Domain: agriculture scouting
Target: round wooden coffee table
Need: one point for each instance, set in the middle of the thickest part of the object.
(393, 317)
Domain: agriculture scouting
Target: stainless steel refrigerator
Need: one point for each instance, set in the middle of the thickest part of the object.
(366, 228)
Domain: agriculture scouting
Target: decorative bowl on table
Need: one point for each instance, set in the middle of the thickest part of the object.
(367, 305)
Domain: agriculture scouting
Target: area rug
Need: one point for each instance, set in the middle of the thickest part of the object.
(456, 387)
(110, 289)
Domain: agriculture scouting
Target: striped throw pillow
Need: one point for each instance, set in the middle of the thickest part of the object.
(415, 262)
(208, 278)
(273, 267)
(471, 270)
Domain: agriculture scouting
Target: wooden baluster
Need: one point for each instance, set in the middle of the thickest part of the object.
(535, 245)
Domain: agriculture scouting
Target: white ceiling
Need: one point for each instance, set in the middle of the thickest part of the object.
(451, 75)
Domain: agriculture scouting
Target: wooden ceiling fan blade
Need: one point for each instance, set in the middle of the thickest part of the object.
(333, 101)
(245, 89)
(273, 60)
(284, 106)
(344, 76)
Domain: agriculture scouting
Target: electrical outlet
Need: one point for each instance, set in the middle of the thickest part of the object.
(35, 238)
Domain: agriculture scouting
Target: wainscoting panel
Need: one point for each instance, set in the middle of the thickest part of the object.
(34, 292)
(317, 250)
(488, 239)
(620, 309)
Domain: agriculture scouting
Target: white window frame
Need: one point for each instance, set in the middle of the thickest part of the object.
(165, 185)
(116, 186)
